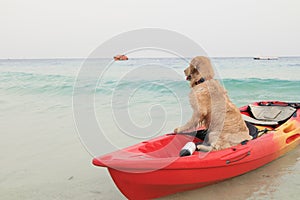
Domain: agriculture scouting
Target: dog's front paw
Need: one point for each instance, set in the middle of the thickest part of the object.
(177, 130)
(201, 147)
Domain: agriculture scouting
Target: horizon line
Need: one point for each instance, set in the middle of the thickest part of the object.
(82, 58)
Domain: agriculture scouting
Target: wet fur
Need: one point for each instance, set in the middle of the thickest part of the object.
(213, 109)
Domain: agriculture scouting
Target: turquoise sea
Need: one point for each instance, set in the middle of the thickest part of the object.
(46, 149)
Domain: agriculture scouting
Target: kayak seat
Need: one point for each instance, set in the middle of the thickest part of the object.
(253, 131)
(259, 122)
(269, 115)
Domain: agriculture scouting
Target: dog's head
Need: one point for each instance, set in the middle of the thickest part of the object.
(200, 67)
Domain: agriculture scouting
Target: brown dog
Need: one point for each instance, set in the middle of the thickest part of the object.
(212, 109)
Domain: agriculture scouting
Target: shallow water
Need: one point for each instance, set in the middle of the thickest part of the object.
(43, 157)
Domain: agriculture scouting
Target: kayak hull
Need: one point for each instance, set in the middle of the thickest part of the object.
(146, 171)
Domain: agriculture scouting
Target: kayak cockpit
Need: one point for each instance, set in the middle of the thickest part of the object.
(263, 117)
(270, 114)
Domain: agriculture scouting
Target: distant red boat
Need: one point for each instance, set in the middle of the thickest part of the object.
(120, 57)
(153, 168)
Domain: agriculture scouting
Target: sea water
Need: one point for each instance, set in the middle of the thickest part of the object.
(46, 150)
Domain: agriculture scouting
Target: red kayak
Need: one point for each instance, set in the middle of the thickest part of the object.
(153, 168)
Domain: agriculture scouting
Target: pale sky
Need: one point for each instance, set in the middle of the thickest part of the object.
(73, 29)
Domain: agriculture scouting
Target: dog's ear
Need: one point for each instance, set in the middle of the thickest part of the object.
(194, 70)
